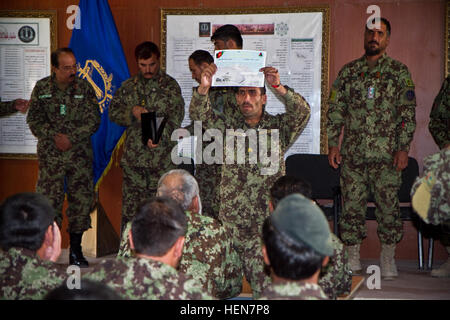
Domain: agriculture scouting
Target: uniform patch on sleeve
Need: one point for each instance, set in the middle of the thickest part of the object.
(333, 95)
(410, 95)
(409, 82)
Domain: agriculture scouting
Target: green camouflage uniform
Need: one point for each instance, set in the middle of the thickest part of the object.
(439, 125)
(146, 279)
(141, 165)
(293, 291)
(24, 276)
(74, 112)
(7, 108)
(244, 191)
(335, 278)
(376, 107)
(208, 256)
(223, 102)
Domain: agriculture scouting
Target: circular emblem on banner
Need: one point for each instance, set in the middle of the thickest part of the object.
(27, 34)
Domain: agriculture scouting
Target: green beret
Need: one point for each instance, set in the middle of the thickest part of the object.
(300, 219)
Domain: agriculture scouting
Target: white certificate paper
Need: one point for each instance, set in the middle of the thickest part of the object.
(239, 68)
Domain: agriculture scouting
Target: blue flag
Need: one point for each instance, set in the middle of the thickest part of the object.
(101, 61)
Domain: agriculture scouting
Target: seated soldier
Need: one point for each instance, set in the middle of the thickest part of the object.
(157, 236)
(335, 278)
(207, 255)
(30, 243)
(297, 244)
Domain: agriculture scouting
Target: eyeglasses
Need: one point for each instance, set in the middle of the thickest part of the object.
(251, 92)
(68, 68)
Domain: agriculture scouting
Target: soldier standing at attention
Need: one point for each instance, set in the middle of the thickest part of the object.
(63, 115)
(150, 90)
(373, 99)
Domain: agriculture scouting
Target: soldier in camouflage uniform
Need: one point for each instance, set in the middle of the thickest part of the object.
(297, 244)
(63, 115)
(335, 278)
(10, 107)
(30, 243)
(208, 255)
(150, 90)
(373, 99)
(431, 199)
(243, 191)
(157, 236)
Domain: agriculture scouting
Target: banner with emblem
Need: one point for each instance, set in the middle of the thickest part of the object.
(101, 61)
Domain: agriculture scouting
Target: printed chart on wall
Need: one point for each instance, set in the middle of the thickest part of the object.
(292, 42)
(25, 49)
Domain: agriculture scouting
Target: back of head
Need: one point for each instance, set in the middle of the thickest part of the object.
(201, 56)
(89, 290)
(24, 219)
(157, 225)
(297, 238)
(227, 32)
(179, 185)
(146, 50)
(287, 185)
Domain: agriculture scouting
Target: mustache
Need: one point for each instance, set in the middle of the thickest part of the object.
(373, 42)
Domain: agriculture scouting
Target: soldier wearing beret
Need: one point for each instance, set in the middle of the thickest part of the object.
(30, 243)
(297, 244)
(150, 90)
(373, 100)
(63, 115)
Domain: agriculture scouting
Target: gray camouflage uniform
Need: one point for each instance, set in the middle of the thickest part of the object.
(24, 276)
(74, 112)
(243, 190)
(141, 165)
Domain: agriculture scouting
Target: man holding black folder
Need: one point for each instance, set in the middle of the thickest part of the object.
(141, 102)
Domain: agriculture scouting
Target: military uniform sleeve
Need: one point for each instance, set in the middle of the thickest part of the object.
(200, 109)
(119, 111)
(336, 111)
(440, 116)
(90, 120)
(7, 108)
(296, 116)
(175, 109)
(37, 118)
(406, 111)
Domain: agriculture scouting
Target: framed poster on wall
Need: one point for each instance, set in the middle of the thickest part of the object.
(27, 39)
(296, 41)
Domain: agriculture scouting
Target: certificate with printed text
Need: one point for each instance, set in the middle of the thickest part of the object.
(239, 68)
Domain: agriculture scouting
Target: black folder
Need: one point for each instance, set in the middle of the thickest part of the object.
(152, 127)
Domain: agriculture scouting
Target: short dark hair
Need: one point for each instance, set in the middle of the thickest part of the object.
(54, 58)
(158, 223)
(383, 20)
(200, 56)
(287, 185)
(289, 260)
(227, 32)
(146, 50)
(24, 219)
(89, 290)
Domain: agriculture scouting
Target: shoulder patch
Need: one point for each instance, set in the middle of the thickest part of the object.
(410, 95)
(333, 94)
(409, 82)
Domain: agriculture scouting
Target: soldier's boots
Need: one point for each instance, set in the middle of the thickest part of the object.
(387, 260)
(76, 254)
(353, 259)
(444, 270)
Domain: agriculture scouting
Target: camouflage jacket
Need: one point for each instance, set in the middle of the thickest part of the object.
(335, 278)
(375, 106)
(439, 125)
(7, 108)
(436, 167)
(293, 291)
(207, 256)
(146, 279)
(161, 94)
(74, 112)
(24, 276)
(244, 188)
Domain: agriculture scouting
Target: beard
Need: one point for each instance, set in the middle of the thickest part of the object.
(372, 51)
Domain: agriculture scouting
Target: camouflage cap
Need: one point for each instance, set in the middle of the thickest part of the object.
(303, 221)
(430, 193)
